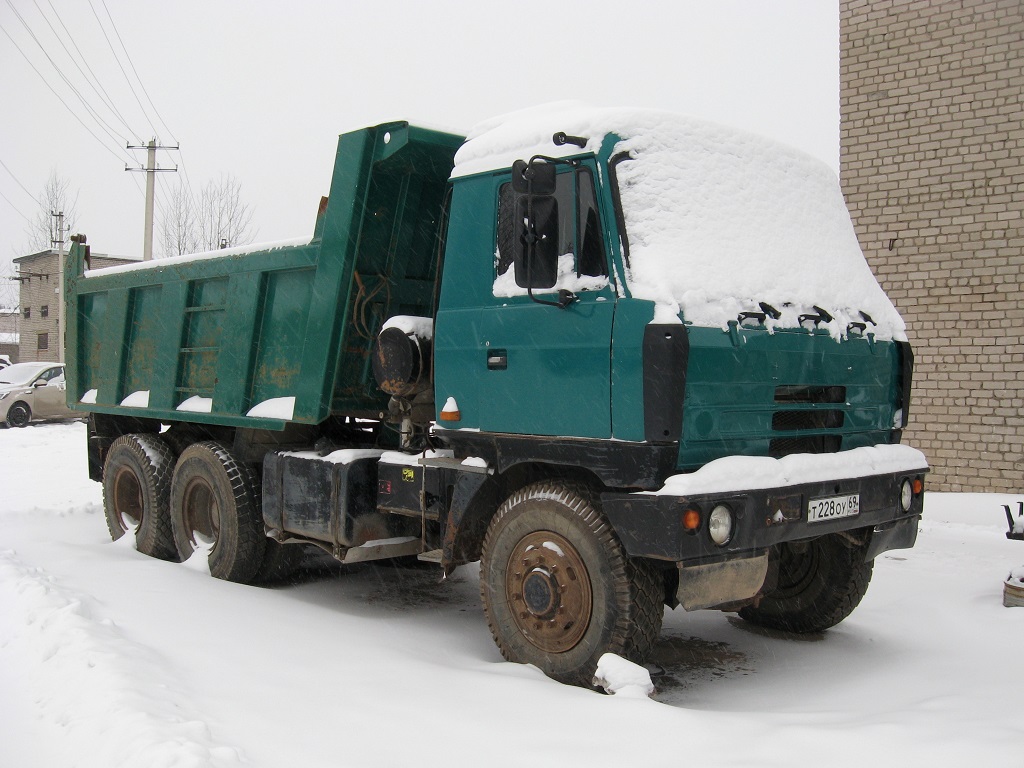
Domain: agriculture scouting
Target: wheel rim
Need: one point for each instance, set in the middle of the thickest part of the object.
(18, 416)
(127, 499)
(548, 591)
(201, 512)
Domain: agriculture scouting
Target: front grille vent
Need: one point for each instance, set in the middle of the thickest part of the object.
(784, 446)
(790, 421)
(814, 395)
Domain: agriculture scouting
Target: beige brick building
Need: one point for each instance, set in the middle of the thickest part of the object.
(39, 303)
(932, 102)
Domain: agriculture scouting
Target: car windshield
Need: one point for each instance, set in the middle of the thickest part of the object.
(22, 373)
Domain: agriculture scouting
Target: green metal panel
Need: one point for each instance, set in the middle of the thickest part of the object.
(631, 319)
(282, 330)
(733, 381)
(287, 322)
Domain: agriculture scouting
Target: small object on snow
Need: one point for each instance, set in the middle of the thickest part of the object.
(1016, 525)
(1013, 589)
(621, 677)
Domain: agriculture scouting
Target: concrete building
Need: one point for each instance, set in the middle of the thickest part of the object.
(932, 165)
(39, 302)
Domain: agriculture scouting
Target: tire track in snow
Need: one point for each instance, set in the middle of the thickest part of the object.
(111, 699)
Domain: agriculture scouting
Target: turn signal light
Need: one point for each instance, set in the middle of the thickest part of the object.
(918, 486)
(691, 519)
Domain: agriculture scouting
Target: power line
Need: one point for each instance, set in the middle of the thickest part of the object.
(59, 98)
(132, 65)
(16, 179)
(90, 78)
(17, 210)
(103, 124)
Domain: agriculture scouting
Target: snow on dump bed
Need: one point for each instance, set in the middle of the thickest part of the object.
(717, 219)
(240, 250)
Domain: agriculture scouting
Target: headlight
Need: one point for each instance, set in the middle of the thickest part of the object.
(906, 495)
(720, 525)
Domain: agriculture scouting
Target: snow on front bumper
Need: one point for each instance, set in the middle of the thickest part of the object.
(768, 500)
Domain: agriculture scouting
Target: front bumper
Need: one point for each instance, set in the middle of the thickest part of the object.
(654, 525)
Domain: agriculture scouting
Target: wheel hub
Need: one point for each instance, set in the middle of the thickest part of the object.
(127, 499)
(549, 592)
(201, 512)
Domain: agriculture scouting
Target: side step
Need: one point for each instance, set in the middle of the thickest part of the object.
(433, 556)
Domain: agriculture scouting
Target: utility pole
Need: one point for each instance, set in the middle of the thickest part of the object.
(58, 242)
(150, 170)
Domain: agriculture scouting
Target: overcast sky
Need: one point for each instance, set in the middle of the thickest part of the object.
(261, 89)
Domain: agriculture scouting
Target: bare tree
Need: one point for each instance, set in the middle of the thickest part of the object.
(55, 198)
(179, 231)
(223, 219)
(217, 219)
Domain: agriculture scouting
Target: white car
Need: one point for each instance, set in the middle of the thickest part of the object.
(33, 391)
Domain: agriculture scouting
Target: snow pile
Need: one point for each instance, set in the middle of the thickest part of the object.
(622, 677)
(739, 472)
(717, 220)
(108, 693)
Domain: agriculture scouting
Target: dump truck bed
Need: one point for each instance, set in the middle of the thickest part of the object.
(271, 334)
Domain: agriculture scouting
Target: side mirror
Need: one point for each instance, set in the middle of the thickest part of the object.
(536, 241)
(39, 383)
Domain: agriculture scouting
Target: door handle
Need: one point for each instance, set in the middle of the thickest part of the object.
(497, 359)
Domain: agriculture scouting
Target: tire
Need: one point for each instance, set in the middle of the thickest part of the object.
(214, 505)
(820, 582)
(582, 596)
(279, 562)
(136, 493)
(19, 415)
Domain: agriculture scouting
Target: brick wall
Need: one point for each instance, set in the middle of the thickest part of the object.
(931, 165)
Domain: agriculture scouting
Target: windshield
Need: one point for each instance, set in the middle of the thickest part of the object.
(22, 373)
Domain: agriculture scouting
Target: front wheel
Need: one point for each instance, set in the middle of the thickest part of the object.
(558, 589)
(19, 415)
(214, 506)
(820, 583)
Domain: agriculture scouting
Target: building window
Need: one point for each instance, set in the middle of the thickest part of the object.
(42, 341)
(28, 313)
(44, 311)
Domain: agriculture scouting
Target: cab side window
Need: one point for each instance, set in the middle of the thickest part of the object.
(579, 267)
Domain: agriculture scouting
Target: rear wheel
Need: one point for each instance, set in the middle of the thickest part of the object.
(136, 493)
(820, 583)
(19, 415)
(214, 506)
(558, 589)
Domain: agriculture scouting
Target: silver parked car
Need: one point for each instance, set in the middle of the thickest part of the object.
(33, 391)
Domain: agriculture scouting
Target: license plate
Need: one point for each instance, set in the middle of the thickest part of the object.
(833, 508)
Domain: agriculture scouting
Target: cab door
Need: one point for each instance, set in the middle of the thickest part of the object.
(543, 336)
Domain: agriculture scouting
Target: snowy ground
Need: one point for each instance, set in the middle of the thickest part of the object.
(109, 658)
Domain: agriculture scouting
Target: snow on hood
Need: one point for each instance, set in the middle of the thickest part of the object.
(717, 219)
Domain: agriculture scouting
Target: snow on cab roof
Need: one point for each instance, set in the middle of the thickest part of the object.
(718, 220)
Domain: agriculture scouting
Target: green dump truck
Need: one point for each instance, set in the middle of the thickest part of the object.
(624, 359)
